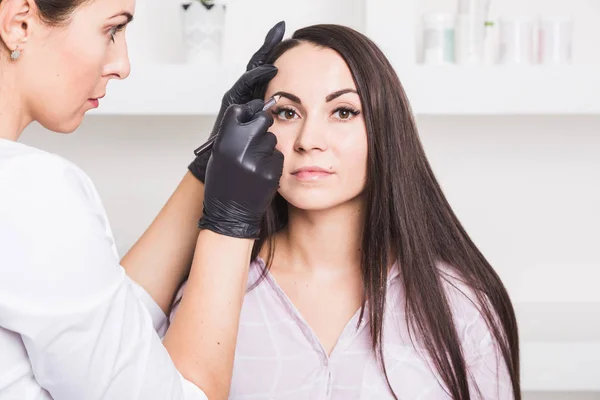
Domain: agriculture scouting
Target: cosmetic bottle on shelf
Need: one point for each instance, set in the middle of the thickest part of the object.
(470, 31)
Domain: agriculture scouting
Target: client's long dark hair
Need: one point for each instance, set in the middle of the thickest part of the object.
(407, 215)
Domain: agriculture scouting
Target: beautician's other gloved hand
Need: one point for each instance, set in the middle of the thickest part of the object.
(257, 73)
(243, 172)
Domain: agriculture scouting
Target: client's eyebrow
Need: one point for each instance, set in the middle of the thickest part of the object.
(290, 96)
(329, 97)
(338, 93)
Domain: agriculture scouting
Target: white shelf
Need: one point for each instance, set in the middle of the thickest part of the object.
(481, 90)
(444, 90)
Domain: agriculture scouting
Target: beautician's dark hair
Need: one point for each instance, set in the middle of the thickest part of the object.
(57, 12)
(408, 217)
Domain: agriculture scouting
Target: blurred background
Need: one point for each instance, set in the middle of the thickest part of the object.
(507, 99)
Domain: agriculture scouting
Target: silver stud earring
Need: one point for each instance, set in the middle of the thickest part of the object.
(16, 53)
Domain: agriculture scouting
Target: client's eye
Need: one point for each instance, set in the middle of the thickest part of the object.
(286, 113)
(345, 113)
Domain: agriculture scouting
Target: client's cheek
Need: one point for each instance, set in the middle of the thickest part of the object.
(284, 144)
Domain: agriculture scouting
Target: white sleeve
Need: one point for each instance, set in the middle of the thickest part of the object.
(159, 319)
(86, 326)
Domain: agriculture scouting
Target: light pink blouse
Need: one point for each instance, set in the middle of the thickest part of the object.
(278, 356)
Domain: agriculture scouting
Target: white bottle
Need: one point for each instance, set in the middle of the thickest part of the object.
(438, 38)
(556, 40)
(516, 40)
(490, 55)
(470, 31)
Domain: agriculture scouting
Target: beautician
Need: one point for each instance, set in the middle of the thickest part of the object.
(76, 322)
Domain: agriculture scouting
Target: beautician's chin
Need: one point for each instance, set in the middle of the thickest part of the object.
(68, 124)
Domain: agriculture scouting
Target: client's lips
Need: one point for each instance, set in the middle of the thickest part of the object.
(311, 173)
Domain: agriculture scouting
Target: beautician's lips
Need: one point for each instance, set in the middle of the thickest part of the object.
(96, 100)
(311, 173)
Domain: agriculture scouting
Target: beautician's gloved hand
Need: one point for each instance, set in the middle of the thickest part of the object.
(243, 172)
(257, 73)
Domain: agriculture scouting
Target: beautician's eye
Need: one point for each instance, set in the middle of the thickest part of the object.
(286, 113)
(345, 113)
(114, 30)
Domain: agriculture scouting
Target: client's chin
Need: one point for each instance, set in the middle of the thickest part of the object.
(314, 201)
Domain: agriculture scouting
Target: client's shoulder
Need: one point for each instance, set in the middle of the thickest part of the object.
(460, 293)
(469, 308)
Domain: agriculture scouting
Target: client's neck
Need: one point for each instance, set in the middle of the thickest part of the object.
(322, 239)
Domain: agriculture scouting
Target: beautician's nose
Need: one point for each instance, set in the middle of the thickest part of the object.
(118, 65)
(312, 136)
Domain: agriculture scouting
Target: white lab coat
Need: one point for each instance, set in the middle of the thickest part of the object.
(73, 326)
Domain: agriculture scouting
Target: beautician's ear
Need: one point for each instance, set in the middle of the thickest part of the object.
(16, 17)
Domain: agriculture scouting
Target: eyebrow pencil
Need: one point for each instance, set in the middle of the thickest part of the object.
(209, 143)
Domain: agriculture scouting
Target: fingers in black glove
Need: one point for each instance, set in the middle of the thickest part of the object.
(274, 36)
(243, 172)
(243, 90)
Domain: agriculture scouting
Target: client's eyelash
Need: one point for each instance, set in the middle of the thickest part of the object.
(348, 109)
(351, 110)
(281, 109)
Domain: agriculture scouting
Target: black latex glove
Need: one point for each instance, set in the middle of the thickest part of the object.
(243, 172)
(257, 73)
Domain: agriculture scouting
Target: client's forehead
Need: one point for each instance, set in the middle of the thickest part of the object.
(311, 72)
